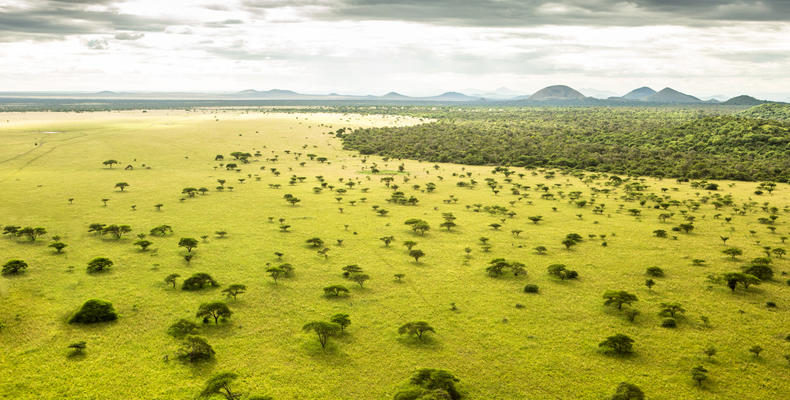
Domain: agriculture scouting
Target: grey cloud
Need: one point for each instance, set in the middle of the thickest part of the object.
(515, 13)
(129, 36)
(54, 19)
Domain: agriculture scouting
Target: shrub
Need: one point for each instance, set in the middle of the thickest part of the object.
(198, 281)
(669, 323)
(14, 267)
(195, 348)
(655, 272)
(94, 311)
(628, 391)
(182, 328)
(617, 344)
(761, 271)
(531, 288)
(99, 264)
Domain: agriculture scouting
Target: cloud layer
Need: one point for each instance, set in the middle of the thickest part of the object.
(706, 47)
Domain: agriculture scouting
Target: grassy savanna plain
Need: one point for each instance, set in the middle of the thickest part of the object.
(546, 349)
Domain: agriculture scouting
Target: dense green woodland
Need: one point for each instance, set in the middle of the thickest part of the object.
(662, 142)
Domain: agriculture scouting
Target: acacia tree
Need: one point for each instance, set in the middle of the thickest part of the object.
(671, 309)
(341, 319)
(335, 290)
(58, 246)
(219, 384)
(409, 244)
(188, 243)
(417, 328)
(122, 185)
(618, 298)
(323, 329)
(387, 240)
(14, 267)
(171, 279)
(732, 252)
(275, 273)
(215, 309)
(416, 254)
(359, 278)
(109, 163)
(99, 264)
(143, 244)
(234, 290)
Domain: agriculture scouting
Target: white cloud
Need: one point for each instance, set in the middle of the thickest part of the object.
(229, 48)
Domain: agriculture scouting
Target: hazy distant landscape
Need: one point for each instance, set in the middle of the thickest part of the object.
(433, 200)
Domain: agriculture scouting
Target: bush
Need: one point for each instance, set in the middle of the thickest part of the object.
(669, 323)
(655, 272)
(182, 328)
(628, 391)
(99, 264)
(531, 288)
(14, 267)
(761, 271)
(94, 311)
(198, 281)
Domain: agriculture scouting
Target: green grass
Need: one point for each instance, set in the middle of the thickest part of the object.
(548, 349)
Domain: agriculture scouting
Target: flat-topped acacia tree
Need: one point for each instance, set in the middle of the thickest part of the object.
(188, 243)
(416, 328)
(14, 267)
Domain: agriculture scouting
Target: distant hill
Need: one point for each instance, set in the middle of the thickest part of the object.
(773, 111)
(451, 96)
(639, 94)
(672, 96)
(556, 92)
(743, 100)
(271, 94)
(395, 96)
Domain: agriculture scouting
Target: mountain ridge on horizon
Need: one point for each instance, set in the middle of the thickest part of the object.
(548, 94)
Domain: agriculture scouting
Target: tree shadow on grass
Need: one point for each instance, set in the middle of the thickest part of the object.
(428, 342)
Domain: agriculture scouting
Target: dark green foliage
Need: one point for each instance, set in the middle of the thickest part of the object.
(669, 323)
(99, 264)
(628, 391)
(78, 348)
(761, 271)
(215, 309)
(562, 272)
(199, 281)
(58, 246)
(182, 328)
(618, 298)
(219, 385)
(498, 266)
(324, 330)
(531, 288)
(430, 384)
(161, 230)
(654, 272)
(632, 141)
(94, 311)
(117, 231)
(341, 319)
(194, 349)
(617, 344)
(234, 290)
(335, 290)
(699, 374)
(13, 267)
(417, 328)
(171, 279)
(188, 243)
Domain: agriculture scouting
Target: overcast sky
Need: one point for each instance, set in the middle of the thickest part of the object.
(416, 47)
